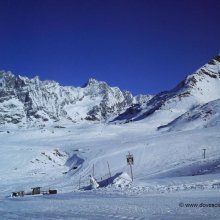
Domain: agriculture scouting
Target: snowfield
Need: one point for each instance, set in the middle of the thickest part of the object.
(74, 139)
(168, 169)
(93, 205)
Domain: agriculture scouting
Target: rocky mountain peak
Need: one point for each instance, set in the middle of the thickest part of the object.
(93, 82)
(200, 87)
(32, 102)
(4, 73)
(216, 59)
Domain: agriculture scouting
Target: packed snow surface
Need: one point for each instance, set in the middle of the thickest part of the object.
(168, 169)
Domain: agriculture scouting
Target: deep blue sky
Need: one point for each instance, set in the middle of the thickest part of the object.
(144, 46)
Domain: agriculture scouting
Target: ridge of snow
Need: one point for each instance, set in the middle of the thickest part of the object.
(198, 88)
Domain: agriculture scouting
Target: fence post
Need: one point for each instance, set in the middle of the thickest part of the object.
(79, 181)
(93, 170)
(109, 170)
(204, 153)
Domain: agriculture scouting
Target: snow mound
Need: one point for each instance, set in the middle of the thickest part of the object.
(122, 180)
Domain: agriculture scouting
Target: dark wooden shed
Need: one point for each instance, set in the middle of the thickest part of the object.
(52, 191)
(35, 190)
(15, 194)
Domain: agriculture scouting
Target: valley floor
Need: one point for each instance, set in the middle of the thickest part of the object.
(96, 205)
(169, 172)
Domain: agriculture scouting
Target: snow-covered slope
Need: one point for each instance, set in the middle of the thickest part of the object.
(62, 157)
(25, 102)
(202, 116)
(198, 88)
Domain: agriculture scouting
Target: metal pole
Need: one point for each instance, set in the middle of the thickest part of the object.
(79, 181)
(131, 172)
(109, 170)
(93, 170)
(204, 153)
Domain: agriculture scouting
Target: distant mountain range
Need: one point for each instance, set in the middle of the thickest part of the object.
(32, 102)
(28, 102)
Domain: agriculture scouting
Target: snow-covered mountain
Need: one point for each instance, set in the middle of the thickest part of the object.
(198, 88)
(25, 101)
(32, 102)
(173, 165)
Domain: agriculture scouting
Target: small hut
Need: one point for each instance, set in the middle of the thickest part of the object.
(35, 190)
(52, 191)
(16, 194)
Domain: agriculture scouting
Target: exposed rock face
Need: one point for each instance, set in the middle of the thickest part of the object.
(32, 102)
